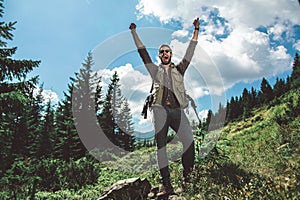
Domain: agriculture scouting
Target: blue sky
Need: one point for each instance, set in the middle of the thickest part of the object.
(239, 43)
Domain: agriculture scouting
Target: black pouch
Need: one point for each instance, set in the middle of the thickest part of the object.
(147, 104)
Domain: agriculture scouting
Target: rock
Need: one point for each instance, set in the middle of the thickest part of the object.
(133, 188)
(176, 196)
(153, 193)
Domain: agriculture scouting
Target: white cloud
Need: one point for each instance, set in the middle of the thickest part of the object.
(252, 12)
(133, 83)
(48, 95)
(242, 54)
(180, 33)
(279, 53)
(203, 114)
(297, 45)
(245, 54)
(277, 30)
(158, 9)
(135, 87)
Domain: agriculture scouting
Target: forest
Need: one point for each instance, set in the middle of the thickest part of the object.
(42, 155)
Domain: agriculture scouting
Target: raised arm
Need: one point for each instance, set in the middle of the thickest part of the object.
(183, 65)
(196, 29)
(151, 67)
(135, 36)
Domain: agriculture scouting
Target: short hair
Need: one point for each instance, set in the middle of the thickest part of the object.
(164, 45)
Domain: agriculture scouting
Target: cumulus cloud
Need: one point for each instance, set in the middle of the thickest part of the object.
(47, 95)
(230, 36)
(253, 13)
(238, 42)
(180, 33)
(132, 81)
(135, 87)
(246, 55)
(297, 45)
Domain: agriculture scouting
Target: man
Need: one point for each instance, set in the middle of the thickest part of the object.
(169, 101)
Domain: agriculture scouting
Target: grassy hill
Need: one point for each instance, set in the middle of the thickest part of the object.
(255, 158)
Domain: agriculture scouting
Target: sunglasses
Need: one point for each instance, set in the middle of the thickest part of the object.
(167, 51)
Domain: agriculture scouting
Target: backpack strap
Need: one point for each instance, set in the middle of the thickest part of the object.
(151, 87)
(194, 106)
(148, 102)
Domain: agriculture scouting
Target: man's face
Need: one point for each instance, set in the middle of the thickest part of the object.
(165, 55)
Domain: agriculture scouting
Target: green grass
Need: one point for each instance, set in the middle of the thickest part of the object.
(255, 158)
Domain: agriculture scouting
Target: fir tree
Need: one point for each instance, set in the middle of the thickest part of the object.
(86, 103)
(266, 92)
(85, 86)
(115, 118)
(246, 101)
(116, 103)
(67, 143)
(207, 124)
(279, 87)
(125, 125)
(219, 117)
(107, 118)
(254, 100)
(14, 97)
(295, 77)
(11, 69)
(46, 135)
(33, 114)
(98, 98)
(229, 110)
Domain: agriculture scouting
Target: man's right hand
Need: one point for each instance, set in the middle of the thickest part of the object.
(136, 38)
(132, 26)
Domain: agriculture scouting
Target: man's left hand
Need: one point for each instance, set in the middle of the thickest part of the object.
(196, 23)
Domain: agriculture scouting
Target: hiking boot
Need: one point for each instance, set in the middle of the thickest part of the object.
(186, 176)
(166, 190)
(186, 180)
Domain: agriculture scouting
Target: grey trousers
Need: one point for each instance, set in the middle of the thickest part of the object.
(163, 118)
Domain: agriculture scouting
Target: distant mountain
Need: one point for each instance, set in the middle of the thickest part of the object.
(142, 136)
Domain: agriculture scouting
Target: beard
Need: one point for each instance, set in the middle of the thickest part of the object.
(165, 61)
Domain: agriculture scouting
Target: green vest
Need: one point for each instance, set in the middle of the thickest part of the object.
(178, 87)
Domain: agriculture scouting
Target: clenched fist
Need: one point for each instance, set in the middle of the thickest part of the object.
(132, 26)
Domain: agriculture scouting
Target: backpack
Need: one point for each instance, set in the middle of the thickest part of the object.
(149, 100)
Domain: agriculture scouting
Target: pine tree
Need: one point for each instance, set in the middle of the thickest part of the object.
(116, 103)
(246, 101)
(115, 118)
(234, 108)
(12, 69)
(98, 98)
(279, 87)
(86, 103)
(67, 143)
(230, 110)
(85, 86)
(295, 77)
(107, 118)
(33, 118)
(219, 117)
(125, 126)
(288, 84)
(14, 97)
(46, 135)
(207, 124)
(266, 94)
(254, 98)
